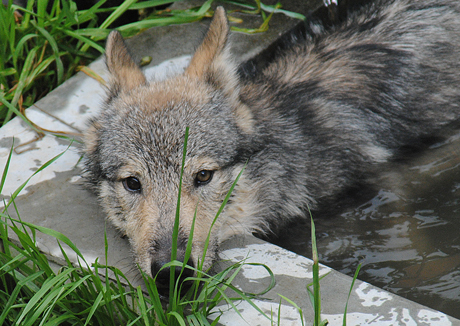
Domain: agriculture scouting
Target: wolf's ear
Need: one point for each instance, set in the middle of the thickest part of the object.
(213, 49)
(212, 63)
(126, 75)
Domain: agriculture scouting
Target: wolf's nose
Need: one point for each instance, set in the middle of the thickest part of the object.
(163, 277)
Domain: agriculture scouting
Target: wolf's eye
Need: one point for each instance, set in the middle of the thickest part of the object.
(132, 184)
(203, 177)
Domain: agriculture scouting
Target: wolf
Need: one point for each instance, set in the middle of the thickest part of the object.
(318, 119)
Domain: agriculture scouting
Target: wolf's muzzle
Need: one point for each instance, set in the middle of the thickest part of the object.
(162, 280)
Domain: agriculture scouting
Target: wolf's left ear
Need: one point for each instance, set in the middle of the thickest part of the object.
(126, 74)
(212, 63)
(213, 50)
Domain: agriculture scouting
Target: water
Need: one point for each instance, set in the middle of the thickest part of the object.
(406, 233)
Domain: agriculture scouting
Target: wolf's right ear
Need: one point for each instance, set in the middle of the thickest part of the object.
(126, 74)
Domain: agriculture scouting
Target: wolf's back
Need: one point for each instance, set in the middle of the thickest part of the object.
(345, 99)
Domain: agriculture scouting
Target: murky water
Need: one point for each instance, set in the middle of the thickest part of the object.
(407, 236)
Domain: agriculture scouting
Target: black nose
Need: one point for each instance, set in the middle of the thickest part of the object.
(163, 277)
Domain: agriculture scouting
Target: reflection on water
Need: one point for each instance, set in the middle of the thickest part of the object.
(407, 236)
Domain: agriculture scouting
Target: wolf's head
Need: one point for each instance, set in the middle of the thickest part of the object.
(134, 151)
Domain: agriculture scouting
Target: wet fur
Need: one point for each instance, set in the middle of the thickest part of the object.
(315, 121)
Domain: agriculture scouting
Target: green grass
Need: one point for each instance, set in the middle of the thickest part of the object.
(315, 295)
(45, 43)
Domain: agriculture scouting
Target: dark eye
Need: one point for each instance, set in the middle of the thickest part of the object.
(132, 184)
(203, 177)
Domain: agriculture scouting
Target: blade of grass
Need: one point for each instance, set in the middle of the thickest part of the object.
(117, 13)
(176, 225)
(316, 296)
(349, 294)
(41, 11)
(177, 317)
(18, 50)
(7, 165)
(54, 46)
(299, 310)
(91, 12)
(94, 307)
(316, 286)
(148, 4)
(78, 35)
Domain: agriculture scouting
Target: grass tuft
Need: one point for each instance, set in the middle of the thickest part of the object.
(47, 42)
(315, 296)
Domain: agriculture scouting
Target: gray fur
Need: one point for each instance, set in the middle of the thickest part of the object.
(316, 121)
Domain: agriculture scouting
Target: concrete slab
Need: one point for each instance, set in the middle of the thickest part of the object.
(55, 197)
(368, 305)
